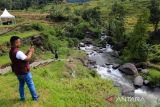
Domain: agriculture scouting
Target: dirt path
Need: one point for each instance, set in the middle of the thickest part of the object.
(34, 64)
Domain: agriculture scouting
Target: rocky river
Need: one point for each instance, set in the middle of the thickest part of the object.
(105, 62)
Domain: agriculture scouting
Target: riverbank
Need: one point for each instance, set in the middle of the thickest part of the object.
(108, 68)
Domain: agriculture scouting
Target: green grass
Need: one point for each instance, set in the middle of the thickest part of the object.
(3, 26)
(4, 60)
(58, 88)
(6, 38)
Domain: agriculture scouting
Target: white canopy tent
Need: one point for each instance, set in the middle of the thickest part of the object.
(6, 15)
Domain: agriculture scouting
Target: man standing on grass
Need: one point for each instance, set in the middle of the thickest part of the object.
(20, 66)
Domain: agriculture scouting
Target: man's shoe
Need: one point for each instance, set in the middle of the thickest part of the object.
(36, 99)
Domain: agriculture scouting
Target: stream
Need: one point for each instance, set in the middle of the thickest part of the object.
(104, 66)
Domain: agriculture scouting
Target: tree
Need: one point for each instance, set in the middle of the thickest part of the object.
(116, 26)
(137, 48)
(25, 4)
(154, 14)
(118, 11)
(92, 15)
(116, 29)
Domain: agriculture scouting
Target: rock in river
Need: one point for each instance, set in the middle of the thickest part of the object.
(127, 90)
(145, 71)
(115, 66)
(129, 69)
(138, 81)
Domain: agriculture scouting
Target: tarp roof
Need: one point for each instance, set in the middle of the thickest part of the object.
(6, 14)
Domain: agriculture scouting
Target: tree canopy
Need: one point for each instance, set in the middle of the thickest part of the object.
(24, 4)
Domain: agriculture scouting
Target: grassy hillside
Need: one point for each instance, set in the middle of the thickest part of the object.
(59, 88)
(64, 83)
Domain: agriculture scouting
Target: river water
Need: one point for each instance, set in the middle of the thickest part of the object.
(103, 66)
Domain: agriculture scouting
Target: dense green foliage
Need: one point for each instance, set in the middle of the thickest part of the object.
(116, 27)
(154, 53)
(137, 48)
(154, 77)
(155, 13)
(25, 4)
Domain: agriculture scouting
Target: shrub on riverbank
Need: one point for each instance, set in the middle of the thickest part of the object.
(154, 77)
(154, 54)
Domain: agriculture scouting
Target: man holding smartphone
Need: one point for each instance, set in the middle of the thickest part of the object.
(20, 66)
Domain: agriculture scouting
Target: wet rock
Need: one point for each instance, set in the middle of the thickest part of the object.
(146, 82)
(82, 44)
(95, 67)
(138, 81)
(145, 71)
(108, 70)
(143, 65)
(95, 49)
(115, 66)
(129, 69)
(127, 90)
(107, 64)
(91, 62)
(116, 84)
(139, 69)
(100, 51)
(87, 41)
(115, 54)
(103, 65)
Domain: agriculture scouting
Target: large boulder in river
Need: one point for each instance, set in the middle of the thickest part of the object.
(129, 69)
(138, 81)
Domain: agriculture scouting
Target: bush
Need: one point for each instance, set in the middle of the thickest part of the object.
(76, 31)
(37, 26)
(72, 42)
(154, 53)
(80, 30)
(59, 13)
(137, 47)
(92, 15)
(25, 27)
(78, 12)
(154, 77)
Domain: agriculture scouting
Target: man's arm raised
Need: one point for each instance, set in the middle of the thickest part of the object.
(29, 54)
